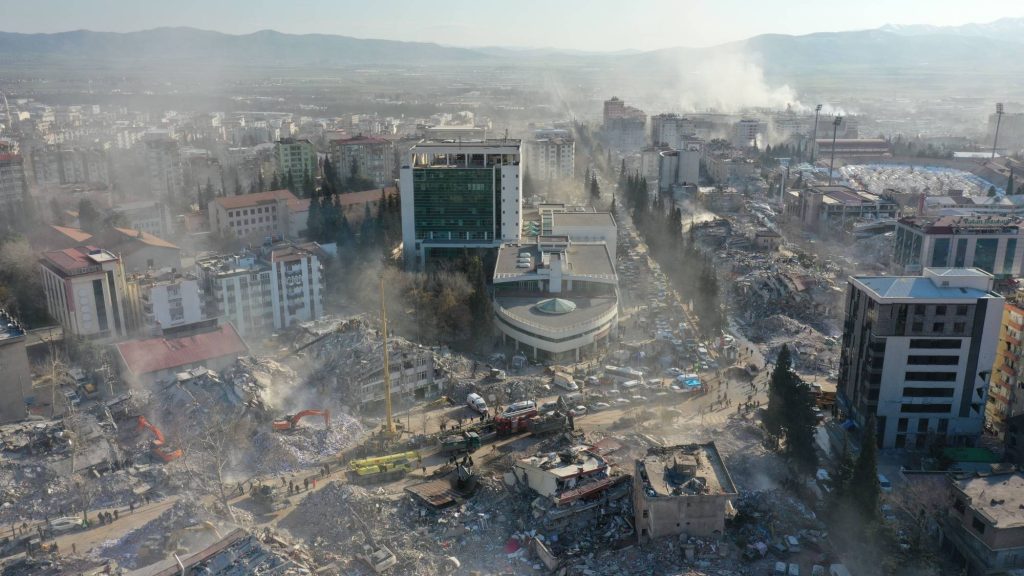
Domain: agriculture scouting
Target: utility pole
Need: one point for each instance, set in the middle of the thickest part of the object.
(835, 129)
(814, 135)
(999, 120)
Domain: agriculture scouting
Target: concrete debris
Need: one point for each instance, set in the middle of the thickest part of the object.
(183, 523)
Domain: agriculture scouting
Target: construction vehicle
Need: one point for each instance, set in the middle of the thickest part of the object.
(465, 443)
(292, 420)
(381, 468)
(158, 445)
(556, 421)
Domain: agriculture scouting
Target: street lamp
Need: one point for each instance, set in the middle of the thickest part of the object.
(814, 135)
(999, 119)
(835, 129)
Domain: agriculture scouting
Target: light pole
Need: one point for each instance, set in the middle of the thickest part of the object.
(999, 119)
(835, 129)
(814, 135)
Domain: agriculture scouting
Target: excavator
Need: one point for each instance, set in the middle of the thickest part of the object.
(291, 421)
(158, 444)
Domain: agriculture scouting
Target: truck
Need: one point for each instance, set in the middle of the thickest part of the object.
(465, 443)
(553, 422)
(476, 402)
(381, 468)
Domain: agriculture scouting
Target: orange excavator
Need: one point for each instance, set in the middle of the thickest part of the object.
(158, 444)
(291, 421)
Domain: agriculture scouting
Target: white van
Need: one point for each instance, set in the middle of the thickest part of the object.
(476, 402)
(565, 382)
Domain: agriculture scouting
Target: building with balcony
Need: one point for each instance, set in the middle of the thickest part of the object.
(985, 525)
(680, 166)
(296, 161)
(1004, 412)
(917, 354)
(554, 297)
(297, 283)
(370, 158)
(87, 292)
(551, 158)
(163, 166)
(168, 300)
(459, 195)
(13, 186)
(681, 490)
(624, 128)
(993, 243)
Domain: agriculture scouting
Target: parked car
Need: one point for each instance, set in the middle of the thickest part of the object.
(884, 484)
(578, 411)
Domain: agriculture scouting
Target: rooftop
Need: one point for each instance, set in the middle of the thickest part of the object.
(997, 497)
(10, 329)
(957, 224)
(576, 461)
(144, 356)
(583, 219)
(360, 139)
(73, 234)
(507, 145)
(685, 470)
(78, 260)
(925, 287)
(845, 195)
(250, 200)
(145, 238)
(589, 260)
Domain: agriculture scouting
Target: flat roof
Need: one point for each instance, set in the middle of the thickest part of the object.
(576, 461)
(455, 146)
(686, 470)
(524, 309)
(916, 288)
(582, 219)
(998, 497)
(78, 260)
(588, 259)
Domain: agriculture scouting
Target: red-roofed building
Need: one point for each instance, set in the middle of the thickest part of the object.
(141, 251)
(87, 292)
(150, 360)
(372, 158)
(259, 214)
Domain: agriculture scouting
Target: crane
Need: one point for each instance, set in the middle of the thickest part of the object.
(389, 430)
(158, 444)
(292, 420)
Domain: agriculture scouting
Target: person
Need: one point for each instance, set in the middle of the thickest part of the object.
(424, 470)
(314, 483)
(241, 489)
(328, 468)
(305, 483)
(282, 480)
(74, 549)
(115, 514)
(131, 507)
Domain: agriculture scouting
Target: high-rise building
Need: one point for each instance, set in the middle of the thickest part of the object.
(53, 165)
(458, 195)
(671, 130)
(87, 292)
(625, 127)
(680, 166)
(551, 158)
(746, 133)
(370, 158)
(296, 161)
(297, 284)
(169, 300)
(12, 183)
(163, 164)
(917, 355)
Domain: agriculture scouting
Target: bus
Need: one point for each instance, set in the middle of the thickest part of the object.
(619, 375)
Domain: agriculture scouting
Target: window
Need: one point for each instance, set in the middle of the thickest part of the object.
(959, 505)
(931, 376)
(959, 327)
(961, 310)
(901, 424)
(919, 308)
(940, 310)
(978, 525)
(924, 408)
(917, 327)
(939, 327)
(917, 392)
(935, 344)
(933, 360)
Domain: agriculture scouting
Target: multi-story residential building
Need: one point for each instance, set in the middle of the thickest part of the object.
(150, 216)
(993, 243)
(13, 187)
(555, 297)
(837, 208)
(370, 158)
(87, 292)
(917, 355)
(671, 130)
(55, 165)
(745, 133)
(1005, 398)
(297, 283)
(163, 165)
(296, 160)
(551, 158)
(260, 214)
(16, 382)
(169, 300)
(681, 490)
(680, 167)
(625, 133)
(459, 195)
(726, 169)
(986, 523)
(263, 291)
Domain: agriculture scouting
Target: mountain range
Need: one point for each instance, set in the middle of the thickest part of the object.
(974, 50)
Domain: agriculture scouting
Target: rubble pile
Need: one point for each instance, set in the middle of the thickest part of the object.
(146, 544)
(257, 378)
(814, 351)
(275, 452)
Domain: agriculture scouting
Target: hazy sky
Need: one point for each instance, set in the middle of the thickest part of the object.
(580, 24)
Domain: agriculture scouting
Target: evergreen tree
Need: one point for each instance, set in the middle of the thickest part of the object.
(275, 182)
(314, 219)
(367, 230)
(344, 239)
(479, 302)
(775, 414)
(1009, 184)
(238, 188)
(88, 216)
(612, 208)
(595, 188)
(308, 187)
(330, 176)
(864, 490)
(27, 217)
(991, 191)
(330, 218)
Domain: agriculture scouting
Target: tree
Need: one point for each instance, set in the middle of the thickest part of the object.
(88, 215)
(595, 188)
(56, 212)
(275, 182)
(480, 302)
(864, 490)
(790, 413)
(314, 224)
(991, 191)
(308, 187)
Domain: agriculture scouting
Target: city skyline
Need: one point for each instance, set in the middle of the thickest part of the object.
(600, 26)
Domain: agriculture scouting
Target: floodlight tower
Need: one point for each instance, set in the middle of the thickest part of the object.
(835, 129)
(814, 135)
(999, 119)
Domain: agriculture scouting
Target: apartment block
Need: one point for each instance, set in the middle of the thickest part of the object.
(87, 292)
(296, 160)
(370, 158)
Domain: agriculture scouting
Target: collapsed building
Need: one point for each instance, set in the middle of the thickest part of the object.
(681, 490)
